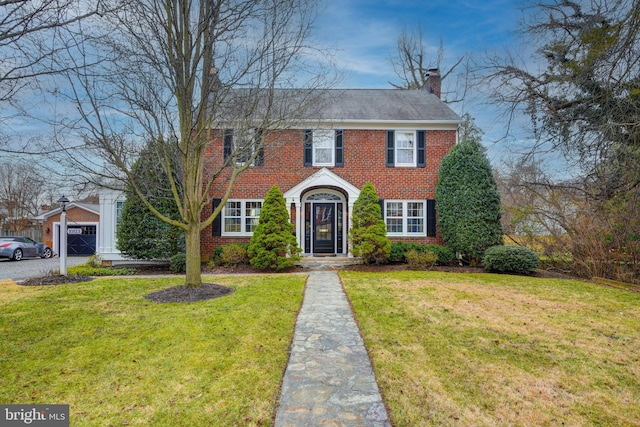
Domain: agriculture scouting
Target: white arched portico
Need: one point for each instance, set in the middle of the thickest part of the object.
(322, 202)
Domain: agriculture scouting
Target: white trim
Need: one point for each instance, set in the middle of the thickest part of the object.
(320, 134)
(106, 244)
(322, 180)
(243, 217)
(414, 161)
(405, 232)
(71, 224)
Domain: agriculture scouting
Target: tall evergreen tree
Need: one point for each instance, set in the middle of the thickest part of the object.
(140, 233)
(368, 232)
(273, 245)
(468, 202)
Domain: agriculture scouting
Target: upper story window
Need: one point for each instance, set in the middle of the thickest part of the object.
(243, 144)
(406, 148)
(323, 147)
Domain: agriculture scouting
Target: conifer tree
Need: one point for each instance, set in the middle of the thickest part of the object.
(468, 202)
(368, 233)
(273, 245)
(141, 234)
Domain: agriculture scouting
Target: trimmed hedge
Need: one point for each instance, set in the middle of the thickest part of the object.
(421, 260)
(233, 255)
(510, 259)
(399, 252)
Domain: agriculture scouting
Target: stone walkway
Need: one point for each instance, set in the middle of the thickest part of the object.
(329, 380)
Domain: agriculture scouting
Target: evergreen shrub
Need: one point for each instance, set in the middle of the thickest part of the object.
(421, 260)
(233, 255)
(368, 233)
(273, 245)
(510, 259)
(400, 249)
(178, 263)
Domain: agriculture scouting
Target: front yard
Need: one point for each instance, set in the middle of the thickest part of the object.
(119, 359)
(447, 349)
(500, 350)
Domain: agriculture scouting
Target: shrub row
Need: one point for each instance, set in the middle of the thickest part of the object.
(399, 252)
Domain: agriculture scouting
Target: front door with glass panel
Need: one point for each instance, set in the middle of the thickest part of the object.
(324, 232)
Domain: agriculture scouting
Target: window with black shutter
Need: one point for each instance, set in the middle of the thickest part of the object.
(422, 149)
(431, 218)
(216, 226)
(308, 147)
(391, 154)
(339, 148)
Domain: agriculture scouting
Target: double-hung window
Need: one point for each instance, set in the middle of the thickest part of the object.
(323, 147)
(240, 217)
(405, 218)
(243, 144)
(406, 148)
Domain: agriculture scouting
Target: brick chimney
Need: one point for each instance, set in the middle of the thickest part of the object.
(433, 81)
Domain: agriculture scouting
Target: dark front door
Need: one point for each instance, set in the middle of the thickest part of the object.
(324, 235)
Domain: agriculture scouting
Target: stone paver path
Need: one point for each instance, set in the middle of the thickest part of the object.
(329, 380)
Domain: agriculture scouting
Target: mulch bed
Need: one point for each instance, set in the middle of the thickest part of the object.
(184, 294)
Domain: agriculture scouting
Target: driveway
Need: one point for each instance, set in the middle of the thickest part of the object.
(33, 267)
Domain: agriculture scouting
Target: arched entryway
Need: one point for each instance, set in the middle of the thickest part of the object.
(322, 203)
(325, 222)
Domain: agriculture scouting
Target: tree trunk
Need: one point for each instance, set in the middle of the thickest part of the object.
(193, 278)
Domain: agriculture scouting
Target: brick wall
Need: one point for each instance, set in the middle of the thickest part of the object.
(74, 214)
(364, 161)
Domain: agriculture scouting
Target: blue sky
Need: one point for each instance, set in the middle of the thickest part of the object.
(364, 34)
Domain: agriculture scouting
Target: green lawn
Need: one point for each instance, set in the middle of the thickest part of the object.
(500, 350)
(118, 359)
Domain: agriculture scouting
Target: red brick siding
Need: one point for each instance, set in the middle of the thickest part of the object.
(364, 161)
(74, 214)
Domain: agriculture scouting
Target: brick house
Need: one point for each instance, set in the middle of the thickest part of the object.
(395, 139)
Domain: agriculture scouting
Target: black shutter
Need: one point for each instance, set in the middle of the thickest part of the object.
(422, 149)
(381, 203)
(228, 143)
(216, 226)
(390, 148)
(308, 147)
(339, 148)
(431, 218)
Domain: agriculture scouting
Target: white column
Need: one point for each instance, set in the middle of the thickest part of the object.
(299, 222)
(351, 203)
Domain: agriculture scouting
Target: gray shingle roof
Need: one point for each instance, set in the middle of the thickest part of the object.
(339, 105)
(382, 105)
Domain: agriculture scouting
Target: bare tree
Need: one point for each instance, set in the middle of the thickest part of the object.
(23, 192)
(583, 95)
(413, 63)
(173, 74)
(580, 90)
(28, 30)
